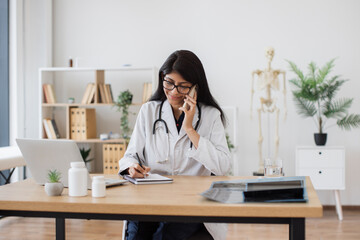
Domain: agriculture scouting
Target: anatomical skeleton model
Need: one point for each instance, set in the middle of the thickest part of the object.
(268, 83)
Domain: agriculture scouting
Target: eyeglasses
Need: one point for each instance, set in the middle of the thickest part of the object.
(170, 86)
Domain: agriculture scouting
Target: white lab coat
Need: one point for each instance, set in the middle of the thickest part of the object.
(211, 156)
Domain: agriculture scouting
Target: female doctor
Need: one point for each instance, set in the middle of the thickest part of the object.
(173, 139)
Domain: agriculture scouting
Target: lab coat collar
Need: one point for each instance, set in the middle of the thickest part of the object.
(168, 116)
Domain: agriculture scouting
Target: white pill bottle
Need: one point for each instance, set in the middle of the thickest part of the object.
(98, 188)
(77, 179)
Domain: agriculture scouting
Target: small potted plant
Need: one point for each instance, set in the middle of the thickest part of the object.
(54, 187)
(314, 95)
(122, 103)
(85, 154)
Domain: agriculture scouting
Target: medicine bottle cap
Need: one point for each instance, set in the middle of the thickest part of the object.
(98, 178)
(77, 164)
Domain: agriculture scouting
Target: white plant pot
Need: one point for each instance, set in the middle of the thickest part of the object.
(54, 189)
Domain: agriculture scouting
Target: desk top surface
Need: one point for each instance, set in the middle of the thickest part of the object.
(180, 198)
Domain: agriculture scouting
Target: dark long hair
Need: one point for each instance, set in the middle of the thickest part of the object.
(189, 66)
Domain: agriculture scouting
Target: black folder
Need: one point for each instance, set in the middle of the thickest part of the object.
(282, 189)
(274, 191)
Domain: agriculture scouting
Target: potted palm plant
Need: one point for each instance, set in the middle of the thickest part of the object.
(314, 96)
(54, 187)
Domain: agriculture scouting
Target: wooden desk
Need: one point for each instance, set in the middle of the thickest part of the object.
(177, 202)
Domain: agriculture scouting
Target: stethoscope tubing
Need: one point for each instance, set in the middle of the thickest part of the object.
(167, 129)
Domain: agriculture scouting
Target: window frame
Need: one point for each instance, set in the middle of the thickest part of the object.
(4, 74)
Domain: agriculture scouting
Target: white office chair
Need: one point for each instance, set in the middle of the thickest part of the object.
(10, 158)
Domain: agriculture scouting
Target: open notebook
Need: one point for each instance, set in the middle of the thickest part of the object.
(151, 178)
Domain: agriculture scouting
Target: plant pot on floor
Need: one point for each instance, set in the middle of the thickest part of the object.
(320, 138)
(54, 189)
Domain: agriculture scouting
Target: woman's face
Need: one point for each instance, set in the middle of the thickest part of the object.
(175, 97)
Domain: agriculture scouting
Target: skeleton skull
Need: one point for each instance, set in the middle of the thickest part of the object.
(269, 53)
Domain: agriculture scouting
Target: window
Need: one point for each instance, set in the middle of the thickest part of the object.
(4, 73)
(4, 76)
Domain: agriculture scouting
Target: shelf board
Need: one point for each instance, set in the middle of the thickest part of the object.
(79, 69)
(82, 105)
(95, 140)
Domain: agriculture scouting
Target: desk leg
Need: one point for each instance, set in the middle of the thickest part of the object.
(297, 229)
(60, 228)
(7, 179)
(338, 205)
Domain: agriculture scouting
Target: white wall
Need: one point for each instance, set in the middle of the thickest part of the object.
(230, 38)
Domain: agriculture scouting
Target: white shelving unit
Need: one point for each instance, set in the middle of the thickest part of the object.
(57, 75)
(71, 82)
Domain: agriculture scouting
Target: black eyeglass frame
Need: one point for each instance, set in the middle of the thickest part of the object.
(175, 86)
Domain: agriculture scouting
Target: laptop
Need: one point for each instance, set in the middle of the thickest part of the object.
(42, 155)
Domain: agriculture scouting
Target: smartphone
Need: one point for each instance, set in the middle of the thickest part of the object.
(191, 94)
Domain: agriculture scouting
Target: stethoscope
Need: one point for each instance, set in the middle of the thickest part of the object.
(167, 131)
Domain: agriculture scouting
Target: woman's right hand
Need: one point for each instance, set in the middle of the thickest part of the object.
(136, 171)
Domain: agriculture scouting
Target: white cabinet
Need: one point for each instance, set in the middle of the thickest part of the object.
(326, 168)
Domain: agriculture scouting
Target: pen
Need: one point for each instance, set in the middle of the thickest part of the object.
(139, 161)
(138, 158)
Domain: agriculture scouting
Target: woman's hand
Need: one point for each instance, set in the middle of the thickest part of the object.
(189, 116)
(189, 113)
(136, 171)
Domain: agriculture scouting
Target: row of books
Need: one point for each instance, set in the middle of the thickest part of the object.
(49, 93)
(51, 129)
(112, 153)
(104, 92)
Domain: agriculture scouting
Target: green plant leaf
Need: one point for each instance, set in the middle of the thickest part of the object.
(85, 154)
(295, 82)
(296, 70)
(307, 91)
(54, 176)
(324, 71)
(349, 121)
(122, 103)
(337, 109)
(229, 143)
(312, 68)
(305, 108)
(332, 87)
(314, 94)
